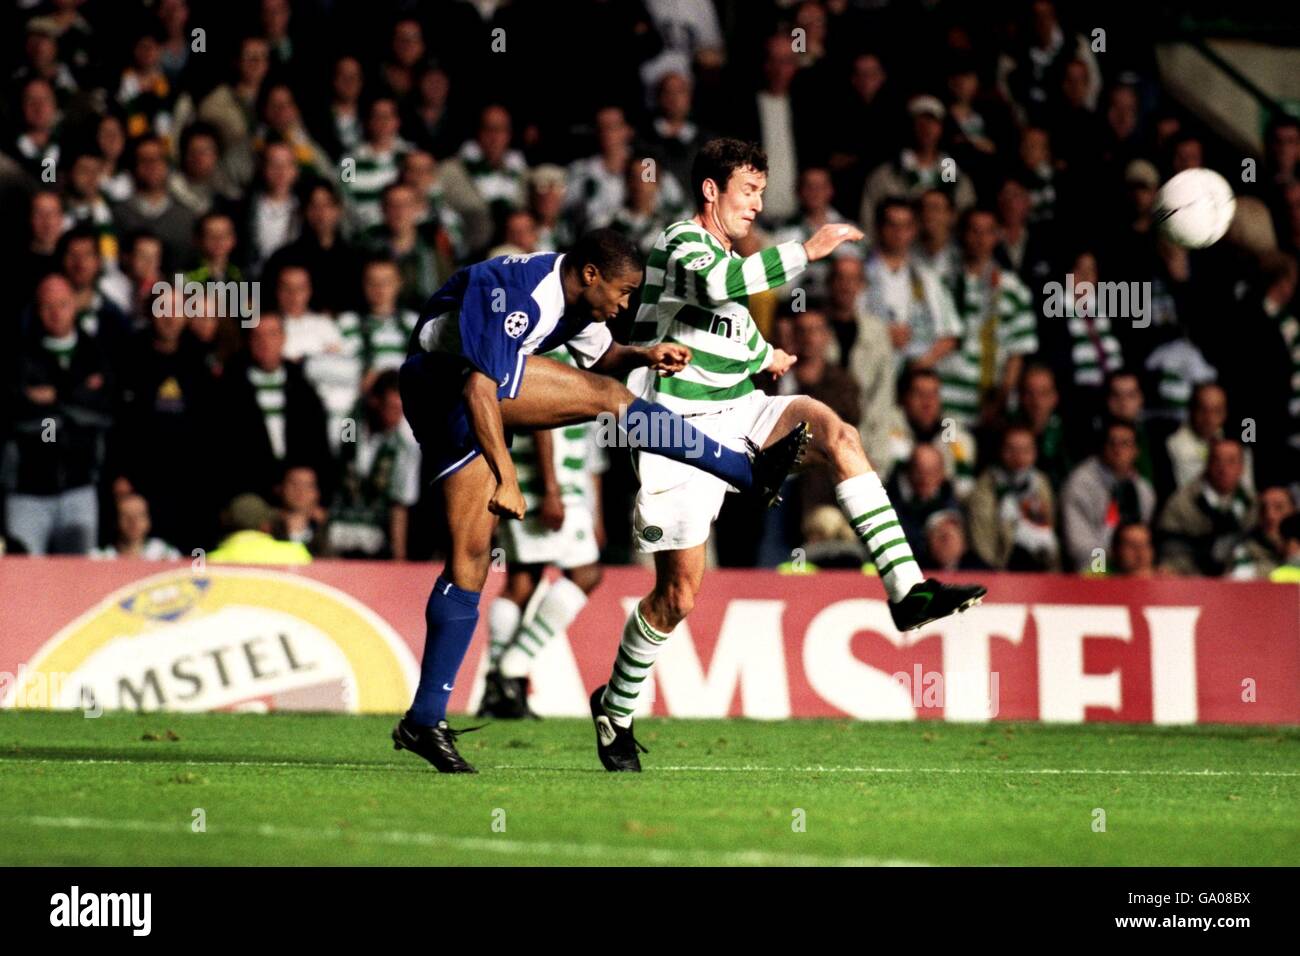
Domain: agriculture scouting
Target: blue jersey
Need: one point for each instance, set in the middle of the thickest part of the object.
(494, 314)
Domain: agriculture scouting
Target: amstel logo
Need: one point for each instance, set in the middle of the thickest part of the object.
(225, 639)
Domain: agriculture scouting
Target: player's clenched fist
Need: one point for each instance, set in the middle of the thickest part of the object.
(668, 357)
(825, 239)
(508, 501)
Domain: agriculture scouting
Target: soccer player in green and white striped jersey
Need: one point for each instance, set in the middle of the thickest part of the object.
(559, 476)
(695, 293)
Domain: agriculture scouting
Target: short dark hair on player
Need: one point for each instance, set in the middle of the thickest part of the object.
(612, 253)
(719, 158)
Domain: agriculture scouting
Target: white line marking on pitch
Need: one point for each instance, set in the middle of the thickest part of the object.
(388, 768)
(476, 844)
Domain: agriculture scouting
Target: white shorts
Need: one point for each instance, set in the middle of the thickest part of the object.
(677, 503)
(530, 542)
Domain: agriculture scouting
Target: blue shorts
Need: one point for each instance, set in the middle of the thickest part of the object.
(432, 386)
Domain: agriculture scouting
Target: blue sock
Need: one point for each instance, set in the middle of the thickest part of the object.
(450, 618)
(655, 428)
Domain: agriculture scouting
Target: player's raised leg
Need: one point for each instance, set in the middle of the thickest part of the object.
(450, 616)
(553, 394)
(913, 600)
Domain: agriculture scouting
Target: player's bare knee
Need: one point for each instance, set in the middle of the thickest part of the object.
(844, 448)
(611, 395)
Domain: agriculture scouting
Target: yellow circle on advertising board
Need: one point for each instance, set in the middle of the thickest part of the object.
(229, 638)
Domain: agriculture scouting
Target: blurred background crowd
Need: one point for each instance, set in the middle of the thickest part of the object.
(348, 156)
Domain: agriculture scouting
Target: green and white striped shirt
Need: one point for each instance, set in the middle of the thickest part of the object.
(378, 341)
(575, 454)
(373, 173)
(696, 294)
(997, 323)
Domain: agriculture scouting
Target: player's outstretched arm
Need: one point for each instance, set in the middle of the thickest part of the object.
(485, 417)
(666, 357)
(710, 280)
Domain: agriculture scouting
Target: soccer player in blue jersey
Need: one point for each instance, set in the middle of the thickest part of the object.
(475, 371)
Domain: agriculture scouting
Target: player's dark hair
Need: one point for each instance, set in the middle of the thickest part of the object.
(719, 158)
(612, 253)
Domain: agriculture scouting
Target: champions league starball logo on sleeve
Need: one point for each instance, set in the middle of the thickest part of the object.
(516, 324)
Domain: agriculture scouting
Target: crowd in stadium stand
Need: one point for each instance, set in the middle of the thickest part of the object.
(338, 160)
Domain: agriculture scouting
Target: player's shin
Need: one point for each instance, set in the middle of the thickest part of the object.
(450, 618)
(652, 427)
(864, 502)
(637, 651)
(561, 603)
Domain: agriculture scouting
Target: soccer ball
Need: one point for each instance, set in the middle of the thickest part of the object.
(1194, 209)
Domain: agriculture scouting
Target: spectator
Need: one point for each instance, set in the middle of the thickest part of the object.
(778, 116)
(110, 140)
(998, 329)
(815, 210)
(375, 162)
(145, 93)
(672, 136)
(249, 520)
(430, 121)
(333, 263)
(1289, 532)
(132, 539)
(339, 128)
(1033, 73)
(936, 246)
(448, 201)
(1013, 510)
(1102, 493)
(1081, 336)
(61, 398)
(919, 490)
(919, 311)
(40, 257)
(380, 482)
(231, 108)
(546, 191)
(597, 182)
(865, 351)
(422, 256)
(378, 336)
(1132, 554)
(497, 171)
(272, 215)
(871, 120)
(86, 205)
(652, 200)
(1263, 549)
(945, 544)
(818, 377)
(1203, 521)
(215, 241)
(132, 289)
(37, 146)
(315, 340)
(1039, 399)
(1189, 447)
(920, 166)
(152, 207)
(282, 122)
(97, 317)
(1028, 250)
(919, 420)
(301, 517)
(164, 415)
(271, 417)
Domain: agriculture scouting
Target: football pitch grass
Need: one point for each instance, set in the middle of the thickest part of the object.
(127, 789)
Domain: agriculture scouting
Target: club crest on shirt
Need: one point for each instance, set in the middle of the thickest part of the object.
(516, 324)
(702, 261)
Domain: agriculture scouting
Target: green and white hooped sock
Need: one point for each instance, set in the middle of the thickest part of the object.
(561, 603)
(637, 651)
(864, 502)
(503, 622)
